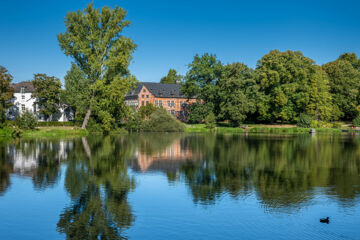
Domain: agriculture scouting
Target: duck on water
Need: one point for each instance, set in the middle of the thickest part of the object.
(325, 220)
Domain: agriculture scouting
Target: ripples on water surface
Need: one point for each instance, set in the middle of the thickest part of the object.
(177, 186)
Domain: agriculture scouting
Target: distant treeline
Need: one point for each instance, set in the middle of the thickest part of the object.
(283, 86)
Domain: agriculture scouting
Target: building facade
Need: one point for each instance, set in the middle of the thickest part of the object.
(163, 95)
(24, 101)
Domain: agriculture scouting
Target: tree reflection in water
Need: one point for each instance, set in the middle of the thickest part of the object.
(98, 183)
(285, 173)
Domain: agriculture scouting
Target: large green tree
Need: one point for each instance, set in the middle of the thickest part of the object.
(94, 39)
(344, 77)
(172, 77)
(77, 91)
(286, 82)
(201, 80)
(6, 93)
(47, 94)
(237, 91)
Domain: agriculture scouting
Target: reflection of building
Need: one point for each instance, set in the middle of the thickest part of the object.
(26, 158)
(168, 160)
(23, 101)
(163, 95)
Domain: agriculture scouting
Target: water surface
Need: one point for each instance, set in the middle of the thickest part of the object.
(181, 186)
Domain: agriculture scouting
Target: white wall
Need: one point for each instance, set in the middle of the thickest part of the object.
(24, 102)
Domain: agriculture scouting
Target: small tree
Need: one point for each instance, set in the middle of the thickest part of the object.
(171, 77)
(304, 121)
(210, 121)
(47, 94)
(6, 93)
(27, 120)
(145, 111)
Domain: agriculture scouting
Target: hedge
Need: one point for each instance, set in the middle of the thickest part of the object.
(56, 124)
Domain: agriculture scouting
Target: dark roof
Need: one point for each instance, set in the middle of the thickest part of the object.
(160, 90)
(29, 87)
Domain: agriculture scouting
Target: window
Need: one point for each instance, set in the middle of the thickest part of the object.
(156, 103)
(23, 97)
(22, 107)
(143, 96)
(144, 90)
(173, 112)
(147, 96)
(168, 103)
(172, 104)
(22, 90)
(34, 108)
(142, 103)
(147, 102)
(160, 103)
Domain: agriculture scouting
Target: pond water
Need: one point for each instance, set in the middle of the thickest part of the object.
(181, 186)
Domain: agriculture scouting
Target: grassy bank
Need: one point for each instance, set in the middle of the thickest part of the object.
(54, 132)
(6, 132)
(276, 129)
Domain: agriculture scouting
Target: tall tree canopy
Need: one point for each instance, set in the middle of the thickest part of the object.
(47, 94)
(287, 81)
(344, 77)
(201, 80)
(237, 91)
(77, 91)
(171, 77)
(93, 38)
(6, 93)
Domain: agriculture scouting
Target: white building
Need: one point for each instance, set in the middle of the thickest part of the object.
(23, 101)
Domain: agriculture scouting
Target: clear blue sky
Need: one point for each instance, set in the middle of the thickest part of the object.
(170, 32)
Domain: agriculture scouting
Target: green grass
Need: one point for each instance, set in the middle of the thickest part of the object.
(6, 132)
(54, 132)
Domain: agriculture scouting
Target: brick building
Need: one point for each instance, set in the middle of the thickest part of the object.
(163, 95)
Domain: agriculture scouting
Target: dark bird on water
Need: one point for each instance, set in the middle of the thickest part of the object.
(325, 220)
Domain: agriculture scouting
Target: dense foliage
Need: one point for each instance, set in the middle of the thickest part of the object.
(281, 87)
(6, 93)
(47, 94)
(77, 91)
(237, 91)
(93, 39)
(26, 120)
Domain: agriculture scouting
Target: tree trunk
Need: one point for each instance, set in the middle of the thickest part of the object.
(86, 119)
(88, 113)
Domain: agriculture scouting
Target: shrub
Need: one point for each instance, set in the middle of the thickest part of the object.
(27, 120)
(161, 121)
(336, 125)
(145, 111)
(305, 121)
(56, 124)
(356, 121)
(210, 121)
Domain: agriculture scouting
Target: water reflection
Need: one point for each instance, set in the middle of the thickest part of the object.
(285, 173)
(98, 183)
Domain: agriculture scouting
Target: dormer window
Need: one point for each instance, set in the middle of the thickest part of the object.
(22, 90)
